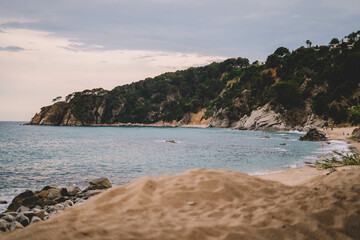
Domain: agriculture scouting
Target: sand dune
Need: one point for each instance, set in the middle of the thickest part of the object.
(212, 204)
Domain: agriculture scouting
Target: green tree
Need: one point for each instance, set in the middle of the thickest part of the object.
(273, 61)
(281, 51)
(334, 41)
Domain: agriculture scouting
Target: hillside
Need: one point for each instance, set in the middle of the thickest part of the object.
(312, 86)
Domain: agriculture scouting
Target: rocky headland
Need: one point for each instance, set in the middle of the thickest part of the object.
(315, 87)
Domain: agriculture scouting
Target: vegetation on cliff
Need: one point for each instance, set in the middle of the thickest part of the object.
(320, 80)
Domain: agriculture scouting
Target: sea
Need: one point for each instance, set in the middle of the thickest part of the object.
(32, 157)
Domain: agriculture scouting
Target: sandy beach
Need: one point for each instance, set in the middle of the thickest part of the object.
(216, 204)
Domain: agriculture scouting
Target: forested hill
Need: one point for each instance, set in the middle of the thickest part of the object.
(312, 85)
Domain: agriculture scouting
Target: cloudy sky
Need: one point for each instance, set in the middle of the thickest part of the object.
(51, 48)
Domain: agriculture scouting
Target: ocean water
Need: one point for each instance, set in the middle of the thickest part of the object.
(34, 156)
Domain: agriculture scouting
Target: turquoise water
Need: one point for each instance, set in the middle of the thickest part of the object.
(34, 156)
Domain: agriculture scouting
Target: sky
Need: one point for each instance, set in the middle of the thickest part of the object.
(51, 48)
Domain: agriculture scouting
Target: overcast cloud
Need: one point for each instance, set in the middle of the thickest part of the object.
(50, 48)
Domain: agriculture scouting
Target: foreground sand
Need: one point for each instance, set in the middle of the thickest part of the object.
(212, 204)
(215, 204)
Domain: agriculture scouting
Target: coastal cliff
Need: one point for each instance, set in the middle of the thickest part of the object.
(308, 87)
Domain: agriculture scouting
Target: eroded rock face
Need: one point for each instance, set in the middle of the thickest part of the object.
(356, 134)
(220, 120)
(314, 135)
(51, 115)
(262, 119)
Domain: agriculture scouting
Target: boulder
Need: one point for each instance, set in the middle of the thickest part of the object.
(16, 202)
(39, 213)
(15, 225)
(49, 203)
(87, 194)
(8, 218)
(314, 135)
(21, 218)
(73, 191)
(101, 183)
(3, 202)
(68, 203)
(53, 194)
(64, 192)
(30, 202)
(60, 199)
(4, 225)
(35, 219)
(22, 209)
(356, 134)
(29, 214)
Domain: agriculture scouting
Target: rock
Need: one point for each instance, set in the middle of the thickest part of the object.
(14, 214)
(53, 193)
(23, 209)
(29, 214)
(59, 207)
(170, 141)
(101, 183)
(186, 119)
(15, 225)
(21, 218)
(68, 203)
(64, 192)
(49, 203)
(8, 218)
(40, 213)
(356, 134)
(282, 144)
(30, 202)
(4, 225)
(73, 191)
(48, 187)
(314, 121)
(3, 202)
(220, 119)
(35, 219)
(16, 202)
(265, 137)
(262, 119)
(314, 135)
(60, 199)
(90, 193)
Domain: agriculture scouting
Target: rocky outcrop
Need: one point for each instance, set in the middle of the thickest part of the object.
(314, 135)
(313, 121)
(220, 119)
(262, 119)
(30, 207)
(50, 115)
(356, 134)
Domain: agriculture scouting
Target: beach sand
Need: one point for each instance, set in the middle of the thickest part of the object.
(215, 204)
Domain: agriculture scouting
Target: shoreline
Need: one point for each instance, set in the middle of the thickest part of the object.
(216, 204)
(302, 175)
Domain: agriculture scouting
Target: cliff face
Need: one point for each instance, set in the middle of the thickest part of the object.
(309, 87)
(58, 114)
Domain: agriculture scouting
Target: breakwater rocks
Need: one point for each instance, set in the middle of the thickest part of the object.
(31, 207)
